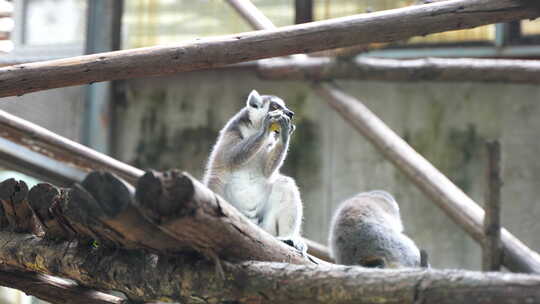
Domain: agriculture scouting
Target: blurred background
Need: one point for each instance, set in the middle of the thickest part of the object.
(172, 122)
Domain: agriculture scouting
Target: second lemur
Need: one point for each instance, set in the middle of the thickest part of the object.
(366, 230)
(244, 166)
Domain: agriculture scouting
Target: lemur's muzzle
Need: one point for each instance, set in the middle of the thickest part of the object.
(289, 113)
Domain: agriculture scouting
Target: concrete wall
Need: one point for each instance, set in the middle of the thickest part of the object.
(173, 122)
(59, 110)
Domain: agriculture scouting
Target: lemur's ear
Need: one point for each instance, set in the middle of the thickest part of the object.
(254, 100)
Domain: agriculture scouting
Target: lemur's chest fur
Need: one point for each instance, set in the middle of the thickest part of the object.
(246, 186)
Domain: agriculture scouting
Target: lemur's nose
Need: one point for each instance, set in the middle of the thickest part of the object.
(289, 113)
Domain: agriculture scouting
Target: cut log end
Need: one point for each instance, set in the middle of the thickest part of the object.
(165, 195)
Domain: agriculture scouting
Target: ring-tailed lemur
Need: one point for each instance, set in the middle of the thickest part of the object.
(244, 167)
(366, 230)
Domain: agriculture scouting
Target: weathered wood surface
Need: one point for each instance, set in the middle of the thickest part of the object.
(191, 213)
(454, 202)
(382, 69)
(55, 290)
(491, 247)
(17, 213)
(383, 26)
(188, 279)
(175, 213)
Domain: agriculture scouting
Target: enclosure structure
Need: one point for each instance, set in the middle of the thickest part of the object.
(102, 67)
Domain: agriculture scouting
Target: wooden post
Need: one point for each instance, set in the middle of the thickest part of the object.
(491, 247)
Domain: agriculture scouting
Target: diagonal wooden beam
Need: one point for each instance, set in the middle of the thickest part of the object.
(384, 26)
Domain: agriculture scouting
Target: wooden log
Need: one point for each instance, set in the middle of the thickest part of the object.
(194, 215)
(456, 204)
(187, 279)
(44, 199)
(382, 69)
(383, 26)
(17, 211)
(54, 290)
(491, 247)
(105, 205)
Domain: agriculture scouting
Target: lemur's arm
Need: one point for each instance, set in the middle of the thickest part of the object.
(244, 150)
(277, 153)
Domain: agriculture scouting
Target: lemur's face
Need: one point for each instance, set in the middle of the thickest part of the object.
(259, 106)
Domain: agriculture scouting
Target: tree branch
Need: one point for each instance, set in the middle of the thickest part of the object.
(384, 26)
(187, 279)
(200, 219)
(427, 69)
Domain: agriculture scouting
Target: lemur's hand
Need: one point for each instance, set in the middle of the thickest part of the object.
(286, 125)
(271, 118)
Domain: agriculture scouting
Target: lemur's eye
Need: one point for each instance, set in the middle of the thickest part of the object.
(273, 107)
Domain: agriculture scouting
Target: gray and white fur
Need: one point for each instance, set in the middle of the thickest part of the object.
(244, 166)
(366, 230)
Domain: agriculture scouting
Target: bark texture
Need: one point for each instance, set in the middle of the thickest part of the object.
(191, 213)
(189, 279)
(384, 26)
(380, 69)
(175, 213)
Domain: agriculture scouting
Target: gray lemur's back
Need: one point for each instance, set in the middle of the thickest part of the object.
(366, 230)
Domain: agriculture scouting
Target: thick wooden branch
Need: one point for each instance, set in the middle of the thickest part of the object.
(176, 213)
(383, 26)
(16, 209)
(54, 290)
(462, 209)
(191, 213)
(426, 69)
(188, 279)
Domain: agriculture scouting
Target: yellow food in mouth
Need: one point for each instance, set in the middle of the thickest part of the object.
(274, 127)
